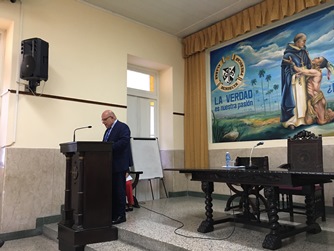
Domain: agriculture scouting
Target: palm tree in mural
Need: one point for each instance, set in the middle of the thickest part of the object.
(261, 75)
(276, 86)
(254, 82)
(269, 93)
(257, 94)
(268, 78)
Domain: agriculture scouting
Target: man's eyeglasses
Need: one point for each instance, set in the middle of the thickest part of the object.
(105, 119)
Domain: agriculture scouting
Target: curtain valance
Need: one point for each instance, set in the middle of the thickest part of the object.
(247, 20)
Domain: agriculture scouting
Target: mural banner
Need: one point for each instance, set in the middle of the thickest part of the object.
(276, 83)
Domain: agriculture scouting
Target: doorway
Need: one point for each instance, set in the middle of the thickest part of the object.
(142, 118)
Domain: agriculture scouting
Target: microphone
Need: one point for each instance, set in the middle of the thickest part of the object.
(79, 128)
(250, 156)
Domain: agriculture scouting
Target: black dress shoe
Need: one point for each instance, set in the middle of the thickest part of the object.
(1, 243)
(128, 209)
(119, 220)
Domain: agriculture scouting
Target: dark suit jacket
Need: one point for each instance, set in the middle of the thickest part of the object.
(120, 138)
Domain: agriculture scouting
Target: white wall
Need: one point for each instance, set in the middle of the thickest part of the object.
(88, 50)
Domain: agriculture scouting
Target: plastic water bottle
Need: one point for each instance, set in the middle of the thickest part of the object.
(228, 159)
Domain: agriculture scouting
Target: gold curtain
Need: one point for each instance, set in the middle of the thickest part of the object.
(194, 46)
(195, 128)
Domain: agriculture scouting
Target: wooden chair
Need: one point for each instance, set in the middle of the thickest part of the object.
(304, 154)
(248, 195)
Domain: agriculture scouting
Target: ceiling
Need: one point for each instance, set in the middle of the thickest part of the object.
(179, 18)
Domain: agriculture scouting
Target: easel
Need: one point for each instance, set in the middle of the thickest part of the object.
(163, 183)
(147, 159)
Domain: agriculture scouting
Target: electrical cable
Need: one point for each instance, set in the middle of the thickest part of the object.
(195, 237)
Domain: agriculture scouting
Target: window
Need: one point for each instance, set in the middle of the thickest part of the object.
(152, 119)
(140, 81)
(142, 101)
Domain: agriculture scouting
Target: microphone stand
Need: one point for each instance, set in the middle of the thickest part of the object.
(79, 128)
(250, 156)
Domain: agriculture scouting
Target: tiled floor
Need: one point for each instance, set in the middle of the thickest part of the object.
(155, 226)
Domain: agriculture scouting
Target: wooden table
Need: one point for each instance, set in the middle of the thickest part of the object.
(270, 180)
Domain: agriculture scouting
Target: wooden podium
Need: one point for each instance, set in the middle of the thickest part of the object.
(86, 215)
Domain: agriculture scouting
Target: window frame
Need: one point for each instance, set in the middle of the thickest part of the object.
(143, 93)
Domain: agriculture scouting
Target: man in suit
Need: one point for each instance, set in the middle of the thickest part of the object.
(118, 133)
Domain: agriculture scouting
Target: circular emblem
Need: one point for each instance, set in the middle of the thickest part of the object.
(229, 73)
(304, 157)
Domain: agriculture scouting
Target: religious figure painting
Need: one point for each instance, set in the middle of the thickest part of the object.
(275, 83)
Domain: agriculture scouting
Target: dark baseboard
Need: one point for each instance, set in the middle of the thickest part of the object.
(40, 222)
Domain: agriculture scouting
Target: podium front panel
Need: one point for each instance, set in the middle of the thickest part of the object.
(93, 169)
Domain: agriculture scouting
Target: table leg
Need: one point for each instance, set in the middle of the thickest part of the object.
(207, 225)
(314, 227)
(246, 203)
(272, 240)
(245, 199)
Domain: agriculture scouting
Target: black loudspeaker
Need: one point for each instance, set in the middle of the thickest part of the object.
(305, 154)
(35, 61)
